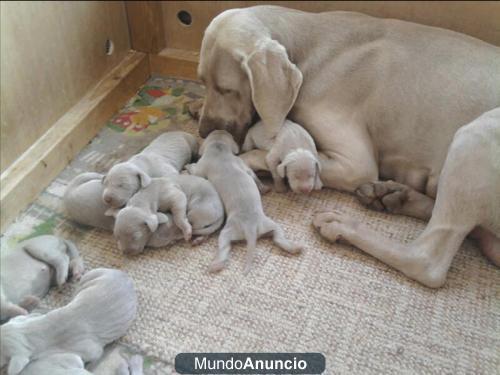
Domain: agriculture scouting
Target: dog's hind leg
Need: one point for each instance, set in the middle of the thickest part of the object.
(76, 265)
(279, 237)
(54, 257)
(455, 214)
(395, 198)
(226, 236)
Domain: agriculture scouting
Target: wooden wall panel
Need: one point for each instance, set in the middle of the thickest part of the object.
(476, 18)
(51, 54)
(146, 26)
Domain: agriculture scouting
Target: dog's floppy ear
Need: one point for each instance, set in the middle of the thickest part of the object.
(281, 169)
(275, 82)
(17, 364)
(112, 211)
(162, 218)
(317, 179)
(144, 178)
(152, 222)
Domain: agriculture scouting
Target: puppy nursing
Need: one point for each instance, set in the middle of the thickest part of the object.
(165, 156)
(195, 205)
(291, 155)
(103, 309)
(237, 188)
(29, 269)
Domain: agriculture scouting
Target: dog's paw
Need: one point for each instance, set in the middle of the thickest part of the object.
(216, 266)
(29, 302)
(187, 231)
(77, 269)
(198, 240)
(334, 225)
(296, 248)
(387, 196)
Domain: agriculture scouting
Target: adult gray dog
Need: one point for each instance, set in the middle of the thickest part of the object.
(383, 100)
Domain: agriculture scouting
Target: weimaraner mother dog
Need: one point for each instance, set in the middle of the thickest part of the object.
(394, 107)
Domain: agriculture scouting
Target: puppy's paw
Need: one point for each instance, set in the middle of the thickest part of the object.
(29, 302)
(77, 269)
(190, 168)
(280, 187)
(187, 232)
(216, 266)
(198, 240)
(14, 310)
(296, 248)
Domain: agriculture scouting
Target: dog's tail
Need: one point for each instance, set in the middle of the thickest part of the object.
(209, 228)
(250, 232)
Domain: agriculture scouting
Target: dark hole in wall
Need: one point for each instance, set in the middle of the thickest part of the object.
(184, 17)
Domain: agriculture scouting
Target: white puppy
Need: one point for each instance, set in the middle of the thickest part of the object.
(30, 268)
(236, 185)
(72, 364)
(195, 205)
(165, 156)
(102, 310)
(292, 154)
(56, 364)
(83, 201)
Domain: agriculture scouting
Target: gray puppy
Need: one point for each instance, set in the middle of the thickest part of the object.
(165, 156)
(29, 269)
(72, 364)
(195, 205)
(102, 310)
(83, 204)
(83, 201)
(237, 186)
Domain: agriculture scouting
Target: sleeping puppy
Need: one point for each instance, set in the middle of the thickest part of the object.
(237, 187)
(83, 203)
(72, 364)
(165, 156)
(103, 309)
(195, 205)
(30, 268)
(56, 364)
(292, 155)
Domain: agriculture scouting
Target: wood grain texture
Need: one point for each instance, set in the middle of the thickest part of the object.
(36, 168)
(175, 63)
(479, 19)
(51, 54)
(145, 25)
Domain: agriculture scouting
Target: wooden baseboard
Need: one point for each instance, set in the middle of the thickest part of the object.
(175, 63)
(21, 183)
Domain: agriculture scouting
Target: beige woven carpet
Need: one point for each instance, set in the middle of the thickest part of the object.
(363, 316)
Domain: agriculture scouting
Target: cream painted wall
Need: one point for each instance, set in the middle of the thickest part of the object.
(51, 53)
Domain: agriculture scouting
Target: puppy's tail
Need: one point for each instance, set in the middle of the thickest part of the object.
(250, 232)
(210, 228)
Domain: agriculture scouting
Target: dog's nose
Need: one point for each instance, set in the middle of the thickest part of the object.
(305, 190)
(108, 200)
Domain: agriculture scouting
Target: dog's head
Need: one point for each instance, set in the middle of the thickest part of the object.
(302, 170)
(244, 71)
(134, 227)
(222, 139)
(122, 181)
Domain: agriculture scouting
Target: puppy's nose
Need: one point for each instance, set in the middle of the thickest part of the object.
(305, 190)
(108, 200)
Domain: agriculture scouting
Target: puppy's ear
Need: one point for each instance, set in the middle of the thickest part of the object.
(17, 364)
(162, 218)
(317, 179)
(152, 222)
(235, 148)
(281, 169)
(112, 212)
(275, 82)
(144, 178)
